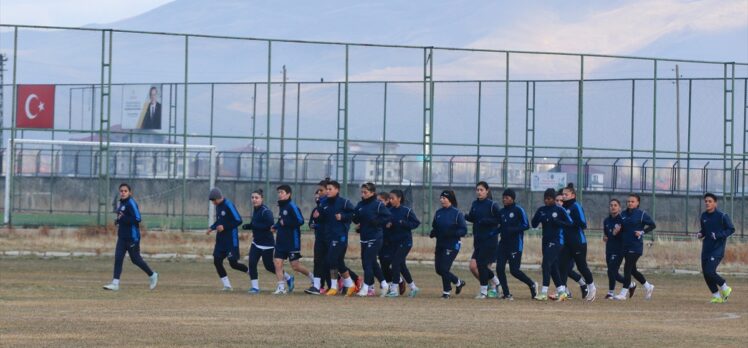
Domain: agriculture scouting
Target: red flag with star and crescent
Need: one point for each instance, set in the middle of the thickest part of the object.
(36, 106)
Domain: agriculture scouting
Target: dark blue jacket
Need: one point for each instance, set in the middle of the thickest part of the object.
(403, 221)
(513, 225)
(715, 227)
(554, 219)
(128, 225)
(575, 234)
(484, 214)
(371, 215)
(288, 235)
(635, 220)
(316, 224)
(262, 220)
(229, 218)
(448, 227)
(614, 245)
(336, 230)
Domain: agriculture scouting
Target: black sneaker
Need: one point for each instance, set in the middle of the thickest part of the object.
(631, 291)
(609, 296)
(446, 296)
(534, 290)
(458, 288)
(312, 291)
(508, 297)
(584, 290)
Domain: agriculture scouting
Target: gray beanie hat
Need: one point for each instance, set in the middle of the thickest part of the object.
(214, 194)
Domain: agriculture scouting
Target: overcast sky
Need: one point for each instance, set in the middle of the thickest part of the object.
(72, 13)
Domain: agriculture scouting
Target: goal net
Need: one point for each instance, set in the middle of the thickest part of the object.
(75, 183)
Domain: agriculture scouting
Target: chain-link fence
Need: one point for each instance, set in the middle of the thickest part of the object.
(401, 116)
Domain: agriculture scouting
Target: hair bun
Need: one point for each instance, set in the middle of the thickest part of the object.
(570, 185)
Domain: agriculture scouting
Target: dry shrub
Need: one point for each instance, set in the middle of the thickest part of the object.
(88, 232)
(176, 238)
(736, 253)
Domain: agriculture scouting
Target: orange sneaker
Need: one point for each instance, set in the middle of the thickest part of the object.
(331, 292)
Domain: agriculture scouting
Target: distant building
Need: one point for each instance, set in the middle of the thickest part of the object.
(369, 164)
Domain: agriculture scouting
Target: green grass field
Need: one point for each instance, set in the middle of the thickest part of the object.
(59, 302)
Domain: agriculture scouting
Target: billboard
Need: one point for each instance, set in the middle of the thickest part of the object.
(545, 180)
(141, 107)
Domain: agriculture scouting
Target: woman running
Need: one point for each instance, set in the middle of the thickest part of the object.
(227, 236)
(513, 226)
(716, 226)
(635, 224)
(371, 215)
(128, 239)
(614, 247)
(448, 227)
(399, 235)
(484, 214)
(575, 247)
(263, 242)
(553, 218)
(570, 267)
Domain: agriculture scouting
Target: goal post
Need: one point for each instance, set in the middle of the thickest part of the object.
(35, 159)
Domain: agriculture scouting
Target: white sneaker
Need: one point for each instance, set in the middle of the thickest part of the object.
(111, 286)
(280, 291)
(621, 297)
(480, 296)
(591, 293)
(227, 289)
(648, 292)
(363, 292)
(153, 281)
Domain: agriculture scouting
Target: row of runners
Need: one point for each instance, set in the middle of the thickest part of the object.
(385, 226)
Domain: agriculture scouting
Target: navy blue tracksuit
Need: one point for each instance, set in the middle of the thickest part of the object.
(613, 250)
(263, 242)
(288, 231)
(128, 237)
(321, 245)
(715, 228)
(371, 215)
(227, 242)
(399, 237)
(553, 218)
(336, 232)
(633, 246)
(575, 243)
(448, 227)
(484, 214)
(513, 225)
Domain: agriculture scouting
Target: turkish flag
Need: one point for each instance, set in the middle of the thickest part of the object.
(36, 106)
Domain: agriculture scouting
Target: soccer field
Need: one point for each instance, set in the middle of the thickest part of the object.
(59, 302)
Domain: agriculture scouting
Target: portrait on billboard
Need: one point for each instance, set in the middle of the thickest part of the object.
(141, 107)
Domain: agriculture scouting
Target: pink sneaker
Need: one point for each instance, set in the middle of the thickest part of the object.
(371, 293)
